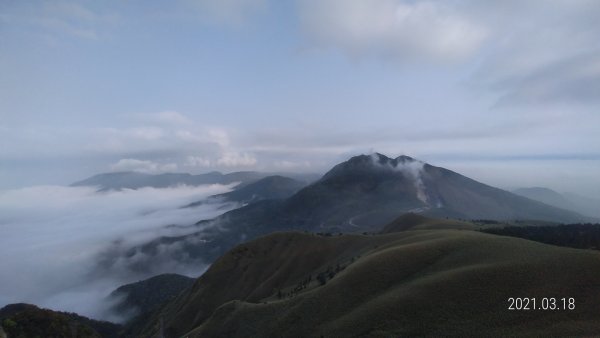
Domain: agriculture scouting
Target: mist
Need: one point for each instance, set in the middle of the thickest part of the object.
(52, 238)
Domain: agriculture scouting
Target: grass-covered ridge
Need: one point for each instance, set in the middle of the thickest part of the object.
(423, 282)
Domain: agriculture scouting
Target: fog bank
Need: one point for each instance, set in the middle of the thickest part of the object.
(51, 238)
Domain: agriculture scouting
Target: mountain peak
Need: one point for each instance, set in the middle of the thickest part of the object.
(378, 158)
(404, 158)
(374, 161)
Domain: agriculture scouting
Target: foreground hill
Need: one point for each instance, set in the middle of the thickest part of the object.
(149, 294)
(425, 282)
(25, 320)
(411, 221)
(138, 301)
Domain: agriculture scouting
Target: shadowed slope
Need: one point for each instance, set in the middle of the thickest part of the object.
(26, 320)
(270, 187)
(147, 295)
(411, 221)
(409, 283)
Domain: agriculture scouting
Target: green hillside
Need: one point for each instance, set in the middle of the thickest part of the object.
(412, 221)
(424, 282)
(30, 321)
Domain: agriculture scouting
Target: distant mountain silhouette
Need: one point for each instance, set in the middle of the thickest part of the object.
(138, 301)
(136, 180)
(146, 295)
(583, 205)
(270, 187)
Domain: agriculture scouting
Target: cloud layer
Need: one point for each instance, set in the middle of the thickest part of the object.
(393, 29)
(52, 238)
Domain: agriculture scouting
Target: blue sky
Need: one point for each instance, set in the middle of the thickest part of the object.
(506, 92)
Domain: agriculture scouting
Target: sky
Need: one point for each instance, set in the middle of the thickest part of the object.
(506, 92)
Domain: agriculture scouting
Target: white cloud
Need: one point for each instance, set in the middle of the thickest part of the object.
(292, 165)
(235, 159)
(146, 133)
(526, 52)
(52, 239)
(170, 117)
(540, 51)
(228, 12)
(143, 166)
(60, 18)
(392, 28)
(204, 135)
(227, 159)
(197, 161)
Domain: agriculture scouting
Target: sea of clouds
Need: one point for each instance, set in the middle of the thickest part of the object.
(51, 238)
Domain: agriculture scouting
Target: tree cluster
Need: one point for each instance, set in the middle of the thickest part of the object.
(580, 235)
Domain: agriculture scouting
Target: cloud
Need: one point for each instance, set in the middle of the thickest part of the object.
(170, 117)
(574, 80)
(404, 30)
(53, 237)
(291, 165)
(131, 164)
(225, 12)
(228, 159)
(235, 159)
(61, 18)
(197, 161)
(146, 133)
(525, 52)
(540, 52)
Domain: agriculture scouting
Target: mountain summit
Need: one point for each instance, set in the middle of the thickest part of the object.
(361, 194)
(370, 190)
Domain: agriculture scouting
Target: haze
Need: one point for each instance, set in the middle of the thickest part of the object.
(499, 91)
(53, 237)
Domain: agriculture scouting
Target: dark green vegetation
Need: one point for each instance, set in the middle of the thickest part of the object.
(270, 187)
(147, 295)
(411, 221)
(358, 195)
(582, 236)
(142, 300)
(416, 282)
(29, 321)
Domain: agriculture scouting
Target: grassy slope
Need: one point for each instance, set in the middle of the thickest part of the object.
(26, 320)
(256, 270)
(412, 221)
(409, 283)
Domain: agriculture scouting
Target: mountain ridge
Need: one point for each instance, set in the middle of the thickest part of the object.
(583, 205)
(361, 194)
(136, 180)
(269, 187)
(299, 284)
